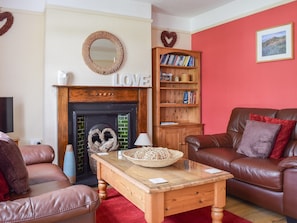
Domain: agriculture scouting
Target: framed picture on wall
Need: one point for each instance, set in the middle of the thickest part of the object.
(275, 43)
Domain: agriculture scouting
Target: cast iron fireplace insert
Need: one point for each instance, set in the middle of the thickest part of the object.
(83, 117)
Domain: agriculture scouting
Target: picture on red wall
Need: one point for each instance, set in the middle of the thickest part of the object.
(275, 43)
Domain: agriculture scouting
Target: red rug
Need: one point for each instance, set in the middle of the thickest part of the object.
(117, 209)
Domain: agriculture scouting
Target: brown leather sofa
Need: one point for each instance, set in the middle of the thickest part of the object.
(51, 197)
(266, 182)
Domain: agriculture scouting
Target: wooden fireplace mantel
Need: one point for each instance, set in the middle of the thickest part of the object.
(67, 94)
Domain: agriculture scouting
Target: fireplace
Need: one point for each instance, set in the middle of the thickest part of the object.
(87, 120)
(85, 108)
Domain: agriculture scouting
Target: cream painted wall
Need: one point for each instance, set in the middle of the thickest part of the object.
(65, 31)
(21, 72)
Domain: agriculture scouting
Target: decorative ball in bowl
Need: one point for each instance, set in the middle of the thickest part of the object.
(153, 156)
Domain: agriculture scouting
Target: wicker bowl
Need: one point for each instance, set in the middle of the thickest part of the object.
(175, 155)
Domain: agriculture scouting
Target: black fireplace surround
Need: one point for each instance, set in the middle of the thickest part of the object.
(83, 117)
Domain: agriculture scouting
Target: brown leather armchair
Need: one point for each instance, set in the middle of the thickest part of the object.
(51, 197)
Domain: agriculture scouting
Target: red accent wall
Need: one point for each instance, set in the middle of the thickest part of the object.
(230, 75)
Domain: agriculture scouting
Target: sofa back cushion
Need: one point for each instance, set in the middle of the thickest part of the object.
(239, 116)
(238, 119)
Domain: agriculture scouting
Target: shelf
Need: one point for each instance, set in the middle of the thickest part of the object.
(178, 105)
(178, 88)
(179, 124)
(178, 82)
(168, 123)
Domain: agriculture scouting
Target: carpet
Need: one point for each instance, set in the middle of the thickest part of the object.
(117, 209)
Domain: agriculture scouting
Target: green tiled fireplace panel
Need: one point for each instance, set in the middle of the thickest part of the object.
(80, 143)
(123, 124)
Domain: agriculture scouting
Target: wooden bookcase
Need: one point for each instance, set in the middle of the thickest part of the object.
(174, 117)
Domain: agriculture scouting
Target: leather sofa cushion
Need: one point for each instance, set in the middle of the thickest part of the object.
(217, 157)
(260, 172)
(51, 172)
(13, 167)
(42, 188)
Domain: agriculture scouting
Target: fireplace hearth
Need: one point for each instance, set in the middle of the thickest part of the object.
(82, 108)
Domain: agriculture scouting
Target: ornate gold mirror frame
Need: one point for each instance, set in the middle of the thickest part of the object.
(118, 58)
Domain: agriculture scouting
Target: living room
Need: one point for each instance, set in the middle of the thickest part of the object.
(50, 40)
(48, 37)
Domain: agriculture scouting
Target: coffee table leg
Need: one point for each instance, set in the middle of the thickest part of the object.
(219, 202)
(102, 185)
(154, 208)
(102, 189)
(217, 215)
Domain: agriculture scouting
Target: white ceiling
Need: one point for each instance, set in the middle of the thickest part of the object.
(184, 8)
(185, 15)
(197, 15)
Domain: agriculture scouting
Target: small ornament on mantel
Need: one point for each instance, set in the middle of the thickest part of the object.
(168, 38)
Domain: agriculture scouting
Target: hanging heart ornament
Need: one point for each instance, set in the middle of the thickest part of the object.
(8, 21)
(168, 38)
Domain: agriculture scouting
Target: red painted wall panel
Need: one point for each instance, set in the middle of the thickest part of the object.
(230, 75)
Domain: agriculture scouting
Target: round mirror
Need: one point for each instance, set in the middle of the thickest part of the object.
(103, 52)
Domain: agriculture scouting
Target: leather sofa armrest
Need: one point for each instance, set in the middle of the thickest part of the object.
(215, 140)
(287, 163)
(53, 206)
(33, 154)
(290, 191)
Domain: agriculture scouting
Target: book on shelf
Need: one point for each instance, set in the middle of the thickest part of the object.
(185, 99)
(171, 59)
(164, 59)
(193, 96)
(186, 61)
(181, 61)
(177, 60)
(191, 62)
(189, 97)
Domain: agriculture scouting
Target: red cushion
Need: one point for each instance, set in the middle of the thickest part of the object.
(283, 136)
(257, 117)
(4, 189)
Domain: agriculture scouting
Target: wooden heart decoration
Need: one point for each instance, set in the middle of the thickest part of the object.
(9, 21)
(168, 38)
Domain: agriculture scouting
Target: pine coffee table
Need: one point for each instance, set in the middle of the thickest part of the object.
(160, 192)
